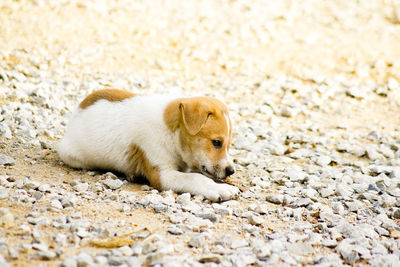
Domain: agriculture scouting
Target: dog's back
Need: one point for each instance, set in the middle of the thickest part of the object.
(99, 134)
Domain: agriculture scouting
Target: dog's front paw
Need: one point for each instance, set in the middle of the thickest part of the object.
(221, 192)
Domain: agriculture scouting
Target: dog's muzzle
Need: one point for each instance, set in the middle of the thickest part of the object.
(227, 172)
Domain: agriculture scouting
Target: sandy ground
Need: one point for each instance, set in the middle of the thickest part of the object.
(46, 167)
(159, 40)
(346, 38)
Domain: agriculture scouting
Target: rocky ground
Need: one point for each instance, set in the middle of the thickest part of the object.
(314, 92)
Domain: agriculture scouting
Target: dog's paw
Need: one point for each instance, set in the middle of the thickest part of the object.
(221, 192)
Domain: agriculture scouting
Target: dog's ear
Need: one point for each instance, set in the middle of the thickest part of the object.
(194, 115)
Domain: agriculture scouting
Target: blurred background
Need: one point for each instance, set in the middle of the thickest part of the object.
(184, 39)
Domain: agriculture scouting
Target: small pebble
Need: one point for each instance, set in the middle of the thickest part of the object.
(175, 230)
(208, 215)
(69, 262)
(275, 198)
(13, 253)
(113, 183)
(6, 218)
(56, 204)
(46, 255)
(255, 220)
(81, 187)
(197, 241)
(6, 160)
(183, 199)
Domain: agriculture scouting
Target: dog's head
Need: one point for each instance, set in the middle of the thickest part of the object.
(205, 132)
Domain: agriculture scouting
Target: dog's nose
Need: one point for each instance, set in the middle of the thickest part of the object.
(229, 171)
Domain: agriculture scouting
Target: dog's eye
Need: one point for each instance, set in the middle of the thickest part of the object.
(217, 143)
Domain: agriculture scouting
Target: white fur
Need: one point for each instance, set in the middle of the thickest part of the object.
(100, 135)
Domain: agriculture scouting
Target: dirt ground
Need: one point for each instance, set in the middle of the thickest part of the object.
(46, 167)
(152, 40)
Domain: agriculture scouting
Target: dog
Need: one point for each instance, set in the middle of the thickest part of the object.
(179, 144)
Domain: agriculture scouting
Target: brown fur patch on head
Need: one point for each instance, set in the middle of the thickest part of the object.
(111, 95)
(139, 165)
(217, 128)
(201, 120)
(193, 113)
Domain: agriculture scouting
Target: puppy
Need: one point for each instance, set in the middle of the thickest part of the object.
(178, 144)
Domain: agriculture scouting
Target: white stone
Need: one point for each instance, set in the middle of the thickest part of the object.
(113, 183)
(56, 204)
(6, 218)
(81, 187)
(183, 199)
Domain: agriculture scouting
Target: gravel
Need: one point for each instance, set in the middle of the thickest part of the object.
(315, 139)
(6, 217)
(275, 198)
(6, 160)
(112, 183)
(197, 241)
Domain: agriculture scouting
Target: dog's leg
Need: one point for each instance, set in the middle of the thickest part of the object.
(196, 184)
